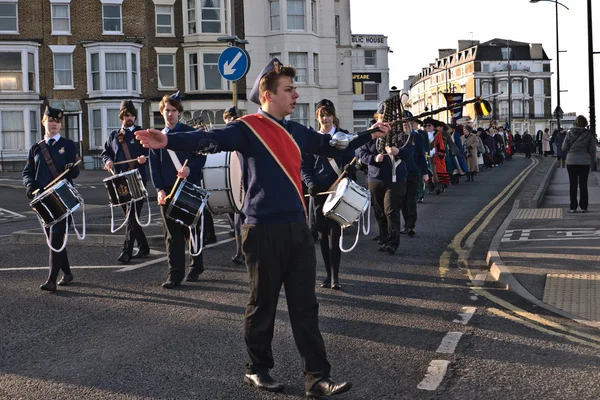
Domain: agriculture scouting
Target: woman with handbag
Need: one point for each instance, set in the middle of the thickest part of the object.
(581, 148)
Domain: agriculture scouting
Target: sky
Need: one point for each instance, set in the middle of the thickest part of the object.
(419, 28)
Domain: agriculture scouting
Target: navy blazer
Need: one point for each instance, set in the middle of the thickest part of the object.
(37, 173)
(382, 171)
(164, 173)
(113, 151)
(271, 197)
(416, 164)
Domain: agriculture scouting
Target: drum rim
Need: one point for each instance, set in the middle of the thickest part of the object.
(337, 203)
(176, 195)
(228, 188)
(121, 174)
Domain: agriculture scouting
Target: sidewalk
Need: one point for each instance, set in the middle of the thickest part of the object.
(550, 256)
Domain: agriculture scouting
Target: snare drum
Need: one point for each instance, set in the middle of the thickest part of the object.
(56, 203)
(222, 177)
(348, 202)
(187, 204)
(125, 187)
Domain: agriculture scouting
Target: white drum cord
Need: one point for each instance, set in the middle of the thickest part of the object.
(82, 236)
(112, 217)
(149, 215)
(368, 218)
(355, 239)
(195, 241)
(48, 241)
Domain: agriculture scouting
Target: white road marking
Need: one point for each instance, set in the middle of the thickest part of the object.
(466, 315)
(480, 279)
(449, 343)
(434, 376)
(11, 213)
(72, 267)
(474, 298)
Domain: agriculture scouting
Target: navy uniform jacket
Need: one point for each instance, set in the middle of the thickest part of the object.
(317, 171)
(271, 197)
(164, 173)
(382, 171)
(416, 164)
(37, 172)
(114, 152)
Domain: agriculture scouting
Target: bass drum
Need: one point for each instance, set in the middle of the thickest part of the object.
(222, 177)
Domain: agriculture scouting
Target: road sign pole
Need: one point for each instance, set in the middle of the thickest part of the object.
(234, 93)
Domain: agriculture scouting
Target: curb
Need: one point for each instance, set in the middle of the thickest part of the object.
(541, 192)
(502, 274)
(29, 236)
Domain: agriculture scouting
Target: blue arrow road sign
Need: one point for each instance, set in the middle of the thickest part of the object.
(234, 63)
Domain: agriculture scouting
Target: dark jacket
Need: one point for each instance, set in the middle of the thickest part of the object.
(417, 163)
(164, 173)
(382, 171)
(37, 173)
(113, 151)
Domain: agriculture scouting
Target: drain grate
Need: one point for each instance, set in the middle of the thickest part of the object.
(539, 213)
(578, 294)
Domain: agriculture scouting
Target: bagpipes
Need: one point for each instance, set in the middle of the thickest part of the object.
(393, 110)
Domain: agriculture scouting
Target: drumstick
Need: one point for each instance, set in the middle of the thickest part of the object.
(176, 182)
(125, 161)
(56, 179)
(340, 177)
(319, 194)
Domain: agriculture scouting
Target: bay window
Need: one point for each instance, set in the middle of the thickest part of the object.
(113, 69)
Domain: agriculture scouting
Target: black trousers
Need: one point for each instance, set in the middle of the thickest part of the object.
(387, 203)
(409, 203)
(329, 238)
(176, 240)
(578, 177)
(133, 230)
(57, 261)
(209, 224)
(282, 254)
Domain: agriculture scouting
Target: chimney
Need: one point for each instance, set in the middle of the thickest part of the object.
(465, 44)
(446, 52)
(536, 52)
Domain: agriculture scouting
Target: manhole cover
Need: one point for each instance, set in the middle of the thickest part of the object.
(578, 294)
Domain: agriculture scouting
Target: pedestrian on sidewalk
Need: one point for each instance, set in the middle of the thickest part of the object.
(580, 147)
(561, 155)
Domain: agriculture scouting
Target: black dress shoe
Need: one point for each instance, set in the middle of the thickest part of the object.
(411, 232)
(171, 284)
(124, 258)
(210, 240)
(336, 286)
(389, 248)
(193, 276)
(66, 279)
(404, 231)
(49, 287)
(383, 247)
(263, 381)
(238, 259)
(326, 283)
(328, 387)
(141, 252)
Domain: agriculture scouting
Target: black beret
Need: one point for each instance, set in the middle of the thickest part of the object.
(325, 103)
(231, 112)
(128, 106)
(53, 112)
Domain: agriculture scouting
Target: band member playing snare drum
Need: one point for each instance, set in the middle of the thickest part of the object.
(120, 146)
(164, 176)
(46, 160)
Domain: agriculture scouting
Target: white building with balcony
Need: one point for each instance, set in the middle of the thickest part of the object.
(313, 36)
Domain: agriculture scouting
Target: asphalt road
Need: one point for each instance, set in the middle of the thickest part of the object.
(116, 334)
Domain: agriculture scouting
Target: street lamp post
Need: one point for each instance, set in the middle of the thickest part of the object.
(591, 69)
(558, 110)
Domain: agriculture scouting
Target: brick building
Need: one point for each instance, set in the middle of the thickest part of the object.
(87, 56)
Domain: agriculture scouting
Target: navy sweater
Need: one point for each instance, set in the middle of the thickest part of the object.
(382, 171)
(37, 173)
(164, 173)
(113, 151)
(271, 197)
(415, 156)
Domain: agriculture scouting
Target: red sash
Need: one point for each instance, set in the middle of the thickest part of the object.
(280, 144)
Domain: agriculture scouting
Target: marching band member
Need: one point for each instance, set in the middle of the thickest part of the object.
(319, 173)
(122, 145)
(387, 184)
(164, 173)
(230, 115)
(418, 174)
(276, 240)
(46, 160)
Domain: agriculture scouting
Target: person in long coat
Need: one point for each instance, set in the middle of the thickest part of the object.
(546, 143)
(470, 144)
(561, 155)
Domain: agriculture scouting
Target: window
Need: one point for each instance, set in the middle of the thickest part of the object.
(517, 86)
(316, 68)
(371, 90)
(208, 15)
(193, 72)
(503, 108)
(503, 86)
(11, 75)
(538, 87)
(70, 127)
(538, 108)
(337, 30)
(63, 70)
(166, 71)
(33, 127)
(486, 88)
(19, 67)
(485, 67)
(13, 131)
(8, 18)
(300, 61)
(274, 55)
(164, 20)
(96, 138)
(111, 19)
(31, 71)
(61, 20)
(505, 53)
(517, 108)
(212, 77)
(295, 14)
(300, 114)
(370, 58)
(104, 118)
(113, 68)
(274, 15)
(313, 15)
